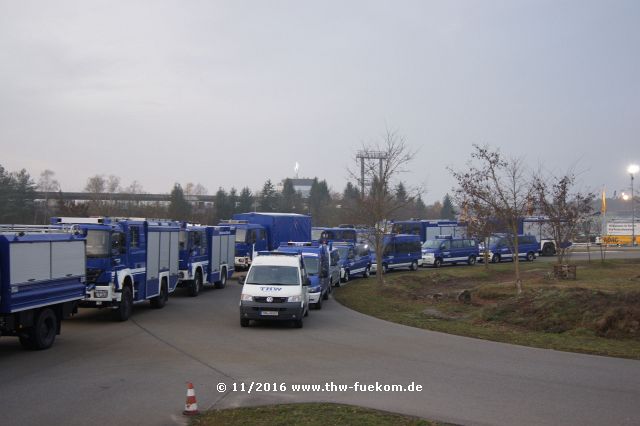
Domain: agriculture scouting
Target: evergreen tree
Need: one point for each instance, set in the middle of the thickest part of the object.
(233, 201)
(24, 195)
(401, 193)
(179, 207)
(448, 211)
(245, 201)
(290, 200)
(420, 208)
(268, 197)
(319, 201)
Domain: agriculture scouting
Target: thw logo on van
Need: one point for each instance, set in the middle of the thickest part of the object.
(270, 288)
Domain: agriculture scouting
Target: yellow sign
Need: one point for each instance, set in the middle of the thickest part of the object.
(619, 239)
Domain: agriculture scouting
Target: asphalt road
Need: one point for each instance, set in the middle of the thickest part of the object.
(101, 372)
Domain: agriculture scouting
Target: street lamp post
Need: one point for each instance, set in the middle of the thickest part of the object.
(633, 169)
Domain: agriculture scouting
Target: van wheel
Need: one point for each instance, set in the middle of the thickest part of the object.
(495, 258)
(195, 285)
(44, 331)
(298, 323)
(530, 257)
(346, 276)
(471, 260)
(160, 300)
(223, 279)
(126, 305)
(244, 322)
(414, 266)
(318, 305)
(325, 295)
(367, 272)
(437, 262)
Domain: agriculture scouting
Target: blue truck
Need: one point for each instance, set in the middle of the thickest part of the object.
(355, 259)
(448, 249)
(42, 280)
(265, 232)
(399, 251)
(206, 256)
(316, 259)
(429, 229)
(129, 260)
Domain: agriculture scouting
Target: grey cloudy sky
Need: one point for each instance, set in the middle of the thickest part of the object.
(230, 93)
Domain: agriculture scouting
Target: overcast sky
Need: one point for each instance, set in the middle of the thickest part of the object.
(230, 93)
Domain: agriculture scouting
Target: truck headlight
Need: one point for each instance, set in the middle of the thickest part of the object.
(246, 298)
(294, 299)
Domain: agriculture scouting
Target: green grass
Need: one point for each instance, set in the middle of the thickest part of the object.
(599, 313)
(312, 414)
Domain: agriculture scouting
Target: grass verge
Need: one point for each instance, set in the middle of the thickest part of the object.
(313, 414)
(598, 313)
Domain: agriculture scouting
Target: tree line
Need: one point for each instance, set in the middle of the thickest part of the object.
(18, 203)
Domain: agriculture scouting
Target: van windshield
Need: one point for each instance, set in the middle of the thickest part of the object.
(431, 244)
(311, 264)
(273, 275)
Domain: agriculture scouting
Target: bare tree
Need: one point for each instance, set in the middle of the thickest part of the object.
(480, 219)
(48, 185)
(565, 208)
(496, 184)
(380, 203)
(96, 185)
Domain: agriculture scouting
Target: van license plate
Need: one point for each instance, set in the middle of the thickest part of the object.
(269, 313)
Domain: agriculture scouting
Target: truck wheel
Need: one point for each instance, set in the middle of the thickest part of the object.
(223, 279)
(195, 285)
(325, 295)
(530, 257)
(495, 258)
(160, 300)
(244, 322)
(414, 266)
(44, 331)
(437, 262)
(471, 260)
(126, 305)
(548, 249)
(346, 276)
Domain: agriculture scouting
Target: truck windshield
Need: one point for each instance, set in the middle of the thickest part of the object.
(312, 265)
(273, 275)
(241, 235)
(431, 244)
(98, 243)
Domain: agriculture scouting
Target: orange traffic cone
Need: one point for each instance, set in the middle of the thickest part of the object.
(191, 406)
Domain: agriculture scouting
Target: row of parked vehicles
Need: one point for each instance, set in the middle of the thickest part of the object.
(47, 272)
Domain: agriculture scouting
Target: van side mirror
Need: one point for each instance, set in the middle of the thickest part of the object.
(241, 279)
(306, 282)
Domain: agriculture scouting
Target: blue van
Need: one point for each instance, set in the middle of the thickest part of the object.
(316, 259)
(355, 259)
(499, 248)
(447, 249)
(400, 251)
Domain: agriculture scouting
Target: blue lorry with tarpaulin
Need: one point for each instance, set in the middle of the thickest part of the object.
(260, 231)
(42, 280)
(206, 256)
(129, 260)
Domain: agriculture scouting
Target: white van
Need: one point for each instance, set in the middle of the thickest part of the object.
(275, 288)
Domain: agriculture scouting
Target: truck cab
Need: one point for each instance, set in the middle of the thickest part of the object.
(250, 238)
(275, 288)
